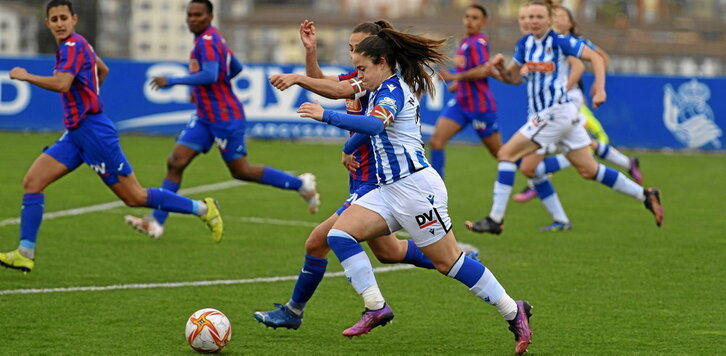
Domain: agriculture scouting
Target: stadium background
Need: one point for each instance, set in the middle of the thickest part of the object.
(667, 68)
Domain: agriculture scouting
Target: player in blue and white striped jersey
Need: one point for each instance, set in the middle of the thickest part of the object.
(553, 120)
(393, 68)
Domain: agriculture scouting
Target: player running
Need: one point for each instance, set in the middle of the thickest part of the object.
(219, 119)
(90, 137)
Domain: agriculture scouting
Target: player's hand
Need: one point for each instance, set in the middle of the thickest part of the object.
(349, 162)
(193, 66)
(453, 87)
(283, 81)
(18, 73)
(445, 75)
(158, 82)
(524, 71)
(598, 97)
(497, 60)
(308, 35)
(311, 110)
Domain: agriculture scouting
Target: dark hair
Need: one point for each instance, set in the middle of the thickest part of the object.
(207, 3)
(412, 54)
(56, 3)
(480, 8)
(574, 30)
(372, 27)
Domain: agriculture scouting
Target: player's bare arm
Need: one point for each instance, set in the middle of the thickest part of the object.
(59, 82)
(103, 70)
(324, 87)
(475, 73)
(598, 67)
(577, 68)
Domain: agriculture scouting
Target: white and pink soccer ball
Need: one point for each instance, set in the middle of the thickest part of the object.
(208, 330)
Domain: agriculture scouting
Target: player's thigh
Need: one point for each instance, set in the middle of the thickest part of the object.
(583, 161)
(130, 191)
(530, 162)
(517, 147)
(362, 223)
(388, 248)
(44, 171)
(446, 128)
(493, 143)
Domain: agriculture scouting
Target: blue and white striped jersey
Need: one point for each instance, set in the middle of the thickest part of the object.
(399, 148)
(546, 60)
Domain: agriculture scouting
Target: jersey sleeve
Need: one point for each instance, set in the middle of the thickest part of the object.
(478, 53)
(207, 48)
(389, 102)
(571, 46)
(69, 59)
(519, 49)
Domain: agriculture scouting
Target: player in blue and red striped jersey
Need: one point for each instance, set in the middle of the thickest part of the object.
(474, 103)
(358, 157)
(219, 119)
(90, 137)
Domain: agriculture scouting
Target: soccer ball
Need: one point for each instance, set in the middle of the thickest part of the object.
(208, 330)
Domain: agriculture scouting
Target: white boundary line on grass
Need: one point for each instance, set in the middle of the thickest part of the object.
(116, 204)
(184, 284)
(192, 190)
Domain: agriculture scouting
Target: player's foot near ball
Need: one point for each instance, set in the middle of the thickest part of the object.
(485, 225)
(308, 191)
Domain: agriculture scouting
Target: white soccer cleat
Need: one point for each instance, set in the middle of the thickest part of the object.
(308, 192)
(147, 225)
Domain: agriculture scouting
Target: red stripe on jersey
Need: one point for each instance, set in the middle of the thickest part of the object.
(364, 169)
(71, 53)
(467, 87)
(476, 60)
(206, 103)
(223, 111)
(208, 49)
(236, 112)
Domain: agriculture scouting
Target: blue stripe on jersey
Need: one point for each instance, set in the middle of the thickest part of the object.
(394, 165)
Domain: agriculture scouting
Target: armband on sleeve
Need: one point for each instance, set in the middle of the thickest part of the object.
(358, 90)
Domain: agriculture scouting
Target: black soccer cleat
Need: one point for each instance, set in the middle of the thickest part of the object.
(652, 203)
(485, 225)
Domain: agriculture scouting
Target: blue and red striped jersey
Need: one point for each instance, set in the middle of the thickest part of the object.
(76, 56)
(357, 106)
(474, 95)
(215, 101)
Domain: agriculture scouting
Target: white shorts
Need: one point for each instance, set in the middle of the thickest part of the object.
(417, 203)
(577, 97)
(557, 128)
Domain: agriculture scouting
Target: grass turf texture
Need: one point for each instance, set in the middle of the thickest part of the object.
(615, 284)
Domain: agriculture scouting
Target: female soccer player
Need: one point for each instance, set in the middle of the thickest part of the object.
(360, 160)
(474, 103)
(90, 137)
(393, 66)
(219, 119)
(553, 120)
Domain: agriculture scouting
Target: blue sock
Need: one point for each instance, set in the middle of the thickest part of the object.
(308, 280)
(438, 161)
(162, 199)
(478, 278)
(549, 198)
(31, 215)
(415, 256)
(355, 262)
(161, 215)
(280, 179)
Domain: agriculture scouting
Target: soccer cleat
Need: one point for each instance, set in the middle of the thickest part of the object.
(213, 219)
(309, 192)
(652, 203)
(556, 226)
(146, 225)
(525, 195)
(15, 259)
(634, 170)
(282, 317)
(519, 326)
(485, 225)
(369, 320)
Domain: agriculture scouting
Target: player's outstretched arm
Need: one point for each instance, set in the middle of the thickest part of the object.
(509, 74)
(309, 39)
(59, 82)
(324, 87)
(103, 70)
(207, 75)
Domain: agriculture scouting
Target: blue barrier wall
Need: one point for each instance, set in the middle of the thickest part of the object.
(641, 111)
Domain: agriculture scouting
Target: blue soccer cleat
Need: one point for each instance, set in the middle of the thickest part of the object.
(282, 317)
(556, 226)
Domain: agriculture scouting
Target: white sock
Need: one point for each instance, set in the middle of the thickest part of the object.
(612, 155)
(27, 252)
(507, 307)
(628, 187)
(202, 208)
(373, 298)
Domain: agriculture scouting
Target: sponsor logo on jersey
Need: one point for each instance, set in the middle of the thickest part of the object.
(221, 143)
(427, 219)
(99, 168)
(541, 67)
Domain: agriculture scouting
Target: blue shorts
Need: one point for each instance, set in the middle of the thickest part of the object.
(229, 136)
(357, 189)
(96, 143)
(484, 123)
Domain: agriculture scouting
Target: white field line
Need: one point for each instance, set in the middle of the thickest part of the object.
(184, 284)
(193, 190)
(116, 204)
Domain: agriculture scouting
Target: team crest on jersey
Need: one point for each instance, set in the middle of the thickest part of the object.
(687, 115)
(388, 101)
(207, 37)
(70, 44)
(353, 106)
(548, 50)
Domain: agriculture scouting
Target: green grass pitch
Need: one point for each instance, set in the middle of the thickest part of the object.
(615, 284)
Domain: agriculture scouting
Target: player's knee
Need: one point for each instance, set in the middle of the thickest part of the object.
(135, 198)
(317, 244)
(587, 172)
(437, 143)
(528, 172)
(32, 184)
(386, 256)
(176, 165)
